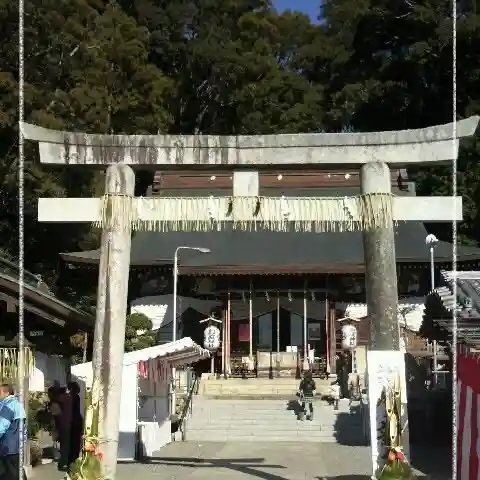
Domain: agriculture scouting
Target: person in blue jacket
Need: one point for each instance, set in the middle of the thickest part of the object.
(11, 436)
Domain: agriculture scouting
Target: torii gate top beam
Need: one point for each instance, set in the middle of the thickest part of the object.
(396, 148)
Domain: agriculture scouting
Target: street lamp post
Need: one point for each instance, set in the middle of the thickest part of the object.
(431, 241)
(174, 320)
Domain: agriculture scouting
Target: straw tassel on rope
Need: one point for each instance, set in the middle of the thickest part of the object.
(203, 214)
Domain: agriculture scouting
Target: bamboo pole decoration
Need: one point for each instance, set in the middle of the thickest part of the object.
(278, 321)
(250, 322)
(16, 363)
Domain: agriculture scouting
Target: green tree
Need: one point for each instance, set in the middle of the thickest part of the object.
(86, 68)
(234, 65)
(388, 65)
(138, 332)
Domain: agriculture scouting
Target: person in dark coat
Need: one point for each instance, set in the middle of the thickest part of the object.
(64, 428)
(342, 373)
(76, 430)
(307, 390)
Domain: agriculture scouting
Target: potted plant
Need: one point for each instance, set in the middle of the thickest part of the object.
(35, 405)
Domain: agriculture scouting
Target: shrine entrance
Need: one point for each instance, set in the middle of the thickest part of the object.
(373, 213)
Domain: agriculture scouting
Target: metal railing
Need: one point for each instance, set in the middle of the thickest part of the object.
(192, 389)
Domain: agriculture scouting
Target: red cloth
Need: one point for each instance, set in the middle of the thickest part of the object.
(243, 332)
(468, 416)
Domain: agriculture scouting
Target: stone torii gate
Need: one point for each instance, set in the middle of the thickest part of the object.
(118, 212)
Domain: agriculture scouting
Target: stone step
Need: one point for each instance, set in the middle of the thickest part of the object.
(273, 412)
(242, 437)
(270, 421)
(305, 426)
(257, 387)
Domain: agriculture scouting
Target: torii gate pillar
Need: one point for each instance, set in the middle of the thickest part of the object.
(109, 339)
(380, 267)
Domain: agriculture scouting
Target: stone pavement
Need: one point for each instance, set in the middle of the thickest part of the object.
(258, 460)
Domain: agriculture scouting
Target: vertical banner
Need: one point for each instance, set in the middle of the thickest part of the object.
(383, 367)
(243, 332)
(468, 415)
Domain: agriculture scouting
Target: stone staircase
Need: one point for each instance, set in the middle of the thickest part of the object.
(255, 388)
(227, 419)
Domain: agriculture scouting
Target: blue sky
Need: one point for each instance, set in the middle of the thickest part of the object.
(310, 7)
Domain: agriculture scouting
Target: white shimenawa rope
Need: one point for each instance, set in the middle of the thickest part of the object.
(201, 214)
(454, 241)
(21, 184)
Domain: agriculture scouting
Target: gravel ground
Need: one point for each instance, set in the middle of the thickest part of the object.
(274, 461)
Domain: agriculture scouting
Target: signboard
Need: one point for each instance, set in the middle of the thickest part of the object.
(211, 338)
(349, 337)
(383, 367)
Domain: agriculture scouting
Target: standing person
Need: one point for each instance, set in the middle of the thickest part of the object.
(55, 412)
(307, 389)
(64, 423)
(11, 416)
(342, 374)
(76, 429)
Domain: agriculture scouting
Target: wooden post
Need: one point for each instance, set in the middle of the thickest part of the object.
(306, 363)
(109, 340)
(228, 340)
(250, 322)
(327, 335)
(333, 339)
(278, 321)
(223, 340)
(85, 347)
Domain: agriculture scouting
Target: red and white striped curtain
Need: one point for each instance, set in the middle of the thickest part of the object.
(468, 415)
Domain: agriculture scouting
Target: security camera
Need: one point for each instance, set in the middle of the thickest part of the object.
(431, 240)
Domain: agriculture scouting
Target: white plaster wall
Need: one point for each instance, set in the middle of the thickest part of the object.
(47, 371)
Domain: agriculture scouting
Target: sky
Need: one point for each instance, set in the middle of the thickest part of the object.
(310, 7)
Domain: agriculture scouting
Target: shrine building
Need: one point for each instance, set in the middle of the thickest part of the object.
(282, 297)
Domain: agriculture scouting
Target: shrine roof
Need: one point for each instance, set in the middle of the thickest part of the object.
(465, 299)
(40, 300)
(265, 252)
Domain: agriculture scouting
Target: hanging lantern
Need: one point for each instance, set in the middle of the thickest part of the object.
(211, 338)
(349, 337)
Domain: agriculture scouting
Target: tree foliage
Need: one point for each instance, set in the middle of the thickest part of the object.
(138, 332)
(223, 66)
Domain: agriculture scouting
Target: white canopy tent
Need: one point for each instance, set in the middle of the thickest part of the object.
(159, 308)
(145, 403)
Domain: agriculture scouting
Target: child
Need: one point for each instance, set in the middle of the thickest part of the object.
(335, 394)
(307, 389)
